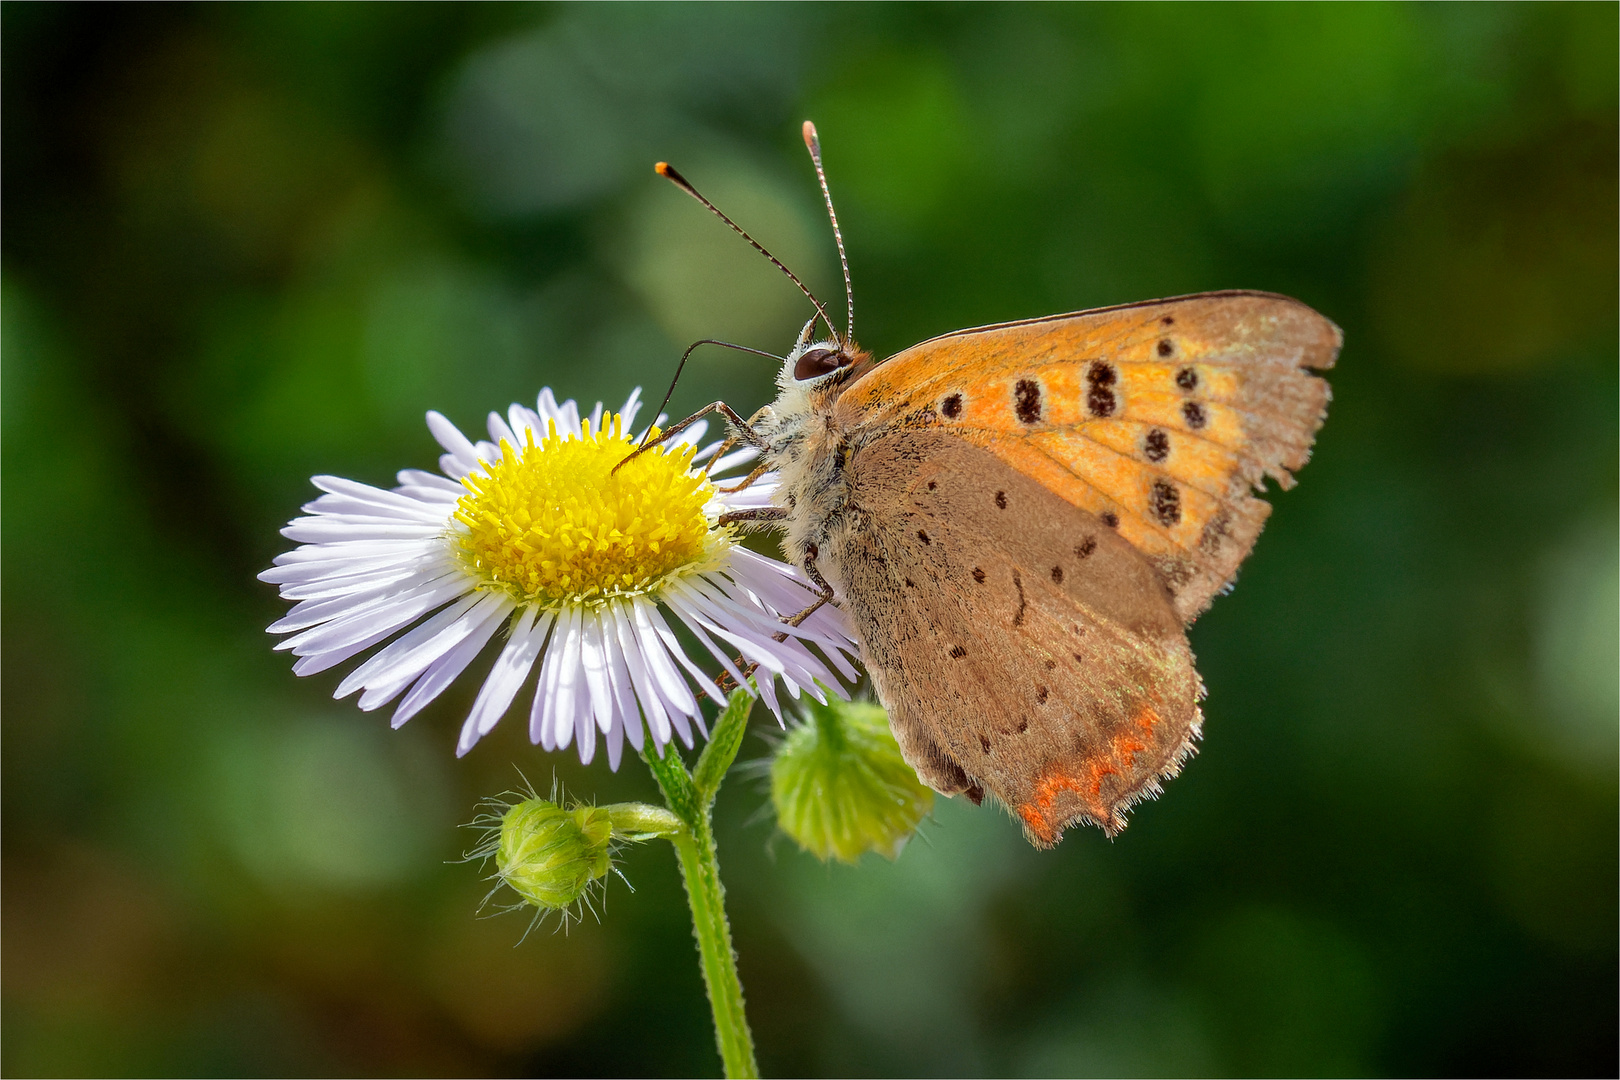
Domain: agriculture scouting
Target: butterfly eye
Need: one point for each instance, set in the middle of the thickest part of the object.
(818, 362)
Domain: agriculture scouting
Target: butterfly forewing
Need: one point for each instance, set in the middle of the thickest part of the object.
(1021, 646)
(1158, 418)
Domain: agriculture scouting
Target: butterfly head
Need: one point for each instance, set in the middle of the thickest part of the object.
(813, 365)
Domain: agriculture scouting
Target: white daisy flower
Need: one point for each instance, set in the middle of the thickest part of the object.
(533, 533)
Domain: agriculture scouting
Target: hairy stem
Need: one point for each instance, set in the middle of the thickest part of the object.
(691, 797)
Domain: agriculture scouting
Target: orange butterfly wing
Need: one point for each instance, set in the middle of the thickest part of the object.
(1161, 417)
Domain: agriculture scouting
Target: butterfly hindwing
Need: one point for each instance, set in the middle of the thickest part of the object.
(1021, 646)
(1160, 418)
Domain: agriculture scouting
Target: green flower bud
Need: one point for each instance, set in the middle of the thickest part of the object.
(841, 787)
(548, 855)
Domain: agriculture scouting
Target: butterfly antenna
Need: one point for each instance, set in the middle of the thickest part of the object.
(667, 171)
(812, 142)
(682, 366)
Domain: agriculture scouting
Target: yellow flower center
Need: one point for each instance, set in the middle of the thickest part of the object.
(554, 524)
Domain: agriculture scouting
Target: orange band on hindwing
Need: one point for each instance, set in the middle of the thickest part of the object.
(1115, 758)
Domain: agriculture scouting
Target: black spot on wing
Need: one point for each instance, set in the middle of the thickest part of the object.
(951, 407)
(1100, 399)
(1027, 401)
(1156, 447)
(1194, 414)
(1165, 502)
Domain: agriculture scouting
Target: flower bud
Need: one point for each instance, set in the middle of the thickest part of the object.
(840, 786)
(549, 855)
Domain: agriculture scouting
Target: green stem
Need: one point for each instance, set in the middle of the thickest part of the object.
(701, 869)
(691, 797)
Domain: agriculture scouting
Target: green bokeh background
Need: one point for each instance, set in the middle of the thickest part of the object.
(244, 244)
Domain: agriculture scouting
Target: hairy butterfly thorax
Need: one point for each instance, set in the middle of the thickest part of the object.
(804, 443)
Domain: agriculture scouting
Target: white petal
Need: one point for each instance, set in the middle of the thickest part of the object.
(331, 586)
(524, 421)
(412, 479)
(798, 665)
(389, 672)
(733, 459)
(546, 406)
(315, 612)
(398, 657)
(389, 611)
(698, 675)
(586, 733)
(566, 689)
(676, 695)
(341, 508)
(321, 530)
(360, 549)
(499, 432)
(311, 571)
(443, 671)
(317, 662)
(504, 680)
(615, 746)
(691, 436)
(767, 693)
(568, 420)
(756, 496)
(697, 623)
(459, 449)
(338, 487)
(545, 693)
(331, 515)
(627, 713)
(632, 405)
(652, 703)
(593, 660)
(666, 677)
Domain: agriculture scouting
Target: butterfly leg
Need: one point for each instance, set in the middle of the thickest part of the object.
(744, 431)
(768, 514)
(725, 448)
(760, 414)
(827, 595)
(762, 514)
(746, 481)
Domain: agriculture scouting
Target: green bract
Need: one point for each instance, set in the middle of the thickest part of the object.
(840, 786)
(549, 855)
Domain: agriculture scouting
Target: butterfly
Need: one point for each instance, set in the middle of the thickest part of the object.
(1021, 520)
